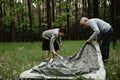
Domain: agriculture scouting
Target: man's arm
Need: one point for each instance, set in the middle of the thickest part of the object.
(53, 38)
(96, 30)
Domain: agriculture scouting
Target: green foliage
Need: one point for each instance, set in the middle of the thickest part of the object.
(38, 2)
(61, 18)
(7, 20)
(63, 5)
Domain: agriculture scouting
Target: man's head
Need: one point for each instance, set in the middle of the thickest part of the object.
(62, 31)
(84, 21)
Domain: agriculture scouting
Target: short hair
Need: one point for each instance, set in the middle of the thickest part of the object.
(62, 29)
(83, 19)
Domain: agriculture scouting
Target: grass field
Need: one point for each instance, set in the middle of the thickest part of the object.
(17, 57)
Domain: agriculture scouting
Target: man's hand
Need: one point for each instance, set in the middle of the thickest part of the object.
(88, 41)
(55, 53)
(61, 45)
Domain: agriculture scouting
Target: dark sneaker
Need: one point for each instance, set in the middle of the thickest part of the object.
(105, 61)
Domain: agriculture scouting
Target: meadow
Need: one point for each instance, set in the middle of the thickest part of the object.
(16, 57)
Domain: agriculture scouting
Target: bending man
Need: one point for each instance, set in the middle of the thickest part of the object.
(50, 38)
(101, 29)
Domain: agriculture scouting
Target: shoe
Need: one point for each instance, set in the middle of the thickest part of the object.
(105, 61)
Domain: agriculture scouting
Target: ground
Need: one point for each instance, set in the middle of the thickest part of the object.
(16, 57)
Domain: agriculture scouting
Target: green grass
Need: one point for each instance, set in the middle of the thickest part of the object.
(113, 66)
(17, 57)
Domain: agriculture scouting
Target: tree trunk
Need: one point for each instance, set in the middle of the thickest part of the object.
(1, 25)
(30, 19)
(68, 21)
(95, 9)
(44, 15)
(48, 14)
(39, 20)
(112, 8)
(23, 32)
(59, 7)
(89, 8)
(53, 10)
(76, 21)
(5, 32)
(12, 24)
(104, 9)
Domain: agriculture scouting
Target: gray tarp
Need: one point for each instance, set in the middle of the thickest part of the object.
(87, 62)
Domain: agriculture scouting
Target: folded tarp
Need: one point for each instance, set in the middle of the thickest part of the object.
(86, 63)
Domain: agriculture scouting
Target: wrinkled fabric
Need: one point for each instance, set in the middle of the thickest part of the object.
(83, 62)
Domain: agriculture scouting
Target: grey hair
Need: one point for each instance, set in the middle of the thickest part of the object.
(83, 19)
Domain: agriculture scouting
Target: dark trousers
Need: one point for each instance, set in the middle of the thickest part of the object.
(105, 44)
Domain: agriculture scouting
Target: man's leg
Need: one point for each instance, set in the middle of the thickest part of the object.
(54, 54)
(105, 45)
(47, 54)
(105, 48)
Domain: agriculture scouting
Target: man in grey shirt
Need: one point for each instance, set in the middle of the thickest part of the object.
(50, 38)
(102, 28)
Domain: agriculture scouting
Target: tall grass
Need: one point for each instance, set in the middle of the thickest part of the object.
(113, 66)
(17, 57)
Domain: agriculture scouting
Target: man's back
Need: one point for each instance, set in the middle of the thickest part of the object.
(102, 25)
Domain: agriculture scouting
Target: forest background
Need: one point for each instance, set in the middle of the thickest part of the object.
(25, 20)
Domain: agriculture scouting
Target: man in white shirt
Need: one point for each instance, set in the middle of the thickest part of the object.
(50, 38)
